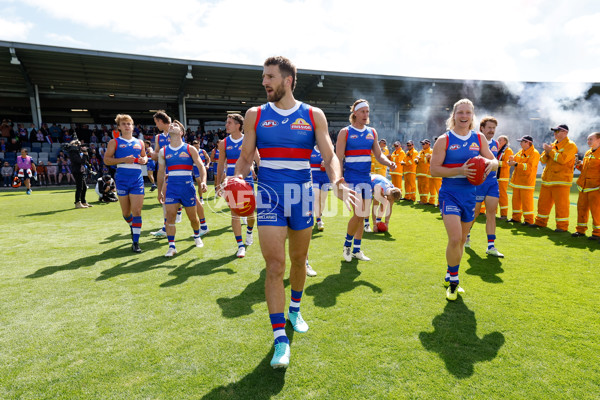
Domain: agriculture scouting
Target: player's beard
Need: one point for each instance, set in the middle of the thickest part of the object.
(277, 94)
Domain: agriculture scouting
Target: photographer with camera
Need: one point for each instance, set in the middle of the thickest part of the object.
(80, 164)
(106, 189)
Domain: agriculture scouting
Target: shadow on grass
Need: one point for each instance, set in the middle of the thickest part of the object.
(114, 253)
(128, 267)
(385, 236)
(455, 339)
(49, 212)
(487, 268)
(242, 304)
(207, 267)
(325, 293)
(559, 238)
(263, 383)
(427, 207)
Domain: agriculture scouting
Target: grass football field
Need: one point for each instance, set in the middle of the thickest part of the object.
(82, 317)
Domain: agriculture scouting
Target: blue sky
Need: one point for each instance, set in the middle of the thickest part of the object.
(527, 40)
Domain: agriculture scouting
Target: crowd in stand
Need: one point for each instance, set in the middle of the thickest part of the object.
(54, 167)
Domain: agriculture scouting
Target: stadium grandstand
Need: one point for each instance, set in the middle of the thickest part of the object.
(74, 87)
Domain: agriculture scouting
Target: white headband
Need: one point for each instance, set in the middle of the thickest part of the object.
(360, 105)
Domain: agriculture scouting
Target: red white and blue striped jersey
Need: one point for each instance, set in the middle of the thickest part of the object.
(357, 157)
(233, 149)
(382, 182)
(215, 161)
(285, 140)
(179, 163)
(315, 166)
(458, 150)
(494, 148)
(163, 140)
(131, 147)
(203, 159)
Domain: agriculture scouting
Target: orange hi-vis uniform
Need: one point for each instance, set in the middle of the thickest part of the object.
(503, 175)
(424, 174)
(588, 184)
(557, 179)
(523, 184)
(397, 157)
(435, 183)
(410, 171)
(378, 168)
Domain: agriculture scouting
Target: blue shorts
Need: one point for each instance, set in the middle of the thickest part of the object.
(291, 206)
(183, 193)
(151, 165)
(360, 184)
(488, 188)
(458, 202)
(129, 184)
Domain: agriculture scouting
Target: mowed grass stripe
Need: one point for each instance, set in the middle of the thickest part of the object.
(83, 317)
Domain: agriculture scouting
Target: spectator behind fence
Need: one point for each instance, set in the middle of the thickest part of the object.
(7, 173)
(42, 172)
(51, 171)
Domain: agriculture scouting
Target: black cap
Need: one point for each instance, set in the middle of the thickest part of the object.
(526, 138)
(425, 141)
(562, 127)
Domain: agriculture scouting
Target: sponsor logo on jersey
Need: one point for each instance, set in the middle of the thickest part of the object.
(494, 148)
(353, 136)
(452, 209)
(184, 155)
(370, 136)
(300, 124)
(137, 146)
(266, 217)
(454, 147)
(474, 146)
(269, 123)
(285, 121)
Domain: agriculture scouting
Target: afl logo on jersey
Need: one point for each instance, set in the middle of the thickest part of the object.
(229, 147)
(168, 156)
(370, 136)
(454, 147)
(301, 125)
(269, 123)
(122, 146)
(474, 146)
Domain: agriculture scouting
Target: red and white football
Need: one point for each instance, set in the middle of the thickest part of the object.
(477, 164)
(382, 227)
(240, 197)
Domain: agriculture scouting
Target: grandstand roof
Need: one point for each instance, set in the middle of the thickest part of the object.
(106, 83)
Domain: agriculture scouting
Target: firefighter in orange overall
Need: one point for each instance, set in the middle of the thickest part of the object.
(589, 189)
(435, 183)
(557, 179)
(376, 166)
(523, 180)
(398, 157)
(423, 175)
(410, 170)
(503, 174)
